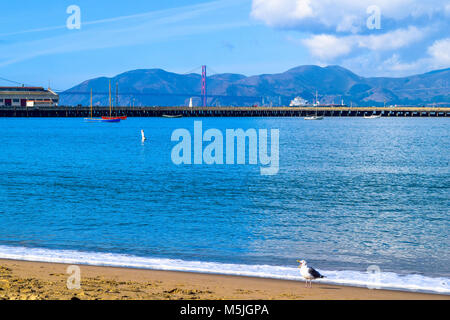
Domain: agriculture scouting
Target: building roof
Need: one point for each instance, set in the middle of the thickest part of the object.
(22, 89)
(26, 91)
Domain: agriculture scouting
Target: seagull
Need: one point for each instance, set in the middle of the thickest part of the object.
(308, 273)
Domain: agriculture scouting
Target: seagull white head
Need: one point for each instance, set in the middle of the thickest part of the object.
(302, 262)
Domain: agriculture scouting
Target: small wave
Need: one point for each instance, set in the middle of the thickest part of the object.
(385, 280)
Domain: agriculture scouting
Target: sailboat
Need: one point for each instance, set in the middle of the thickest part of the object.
(172, 116)
(373, 116)
(91, 119)
(110, 107)
(316, 116)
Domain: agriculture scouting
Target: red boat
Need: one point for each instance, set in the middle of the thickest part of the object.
(100, 120)
(115, 118)
(103, 119)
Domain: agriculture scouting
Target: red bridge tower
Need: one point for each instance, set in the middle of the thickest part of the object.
(204, 94)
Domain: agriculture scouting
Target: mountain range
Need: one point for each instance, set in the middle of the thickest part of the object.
(333, 85)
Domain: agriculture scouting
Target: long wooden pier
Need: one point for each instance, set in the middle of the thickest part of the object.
(326, 111)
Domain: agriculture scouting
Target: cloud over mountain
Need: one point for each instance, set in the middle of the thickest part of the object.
(345, 16)
(410, 32)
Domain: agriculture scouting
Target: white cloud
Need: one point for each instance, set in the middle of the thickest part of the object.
(440, 52)
(391, 40)
(281, 12)
(328, 47)
(398, 67)
(372, 64)
(337, 32)
(348, 23)
(339, 16)
(437, 56)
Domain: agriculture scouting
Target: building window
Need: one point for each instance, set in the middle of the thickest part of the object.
(16, 100)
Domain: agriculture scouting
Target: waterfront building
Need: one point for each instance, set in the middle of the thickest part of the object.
(27, 97)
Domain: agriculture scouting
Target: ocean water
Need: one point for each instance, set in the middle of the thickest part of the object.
(349, 194)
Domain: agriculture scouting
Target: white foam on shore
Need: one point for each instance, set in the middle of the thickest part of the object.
(386, 280)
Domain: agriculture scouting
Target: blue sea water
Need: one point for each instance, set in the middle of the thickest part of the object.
(350, 193)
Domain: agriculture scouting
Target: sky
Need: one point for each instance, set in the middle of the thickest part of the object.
(40, 46)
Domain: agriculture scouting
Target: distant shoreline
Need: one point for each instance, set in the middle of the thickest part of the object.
(41, 280)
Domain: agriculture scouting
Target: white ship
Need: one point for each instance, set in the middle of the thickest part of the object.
(298, 102)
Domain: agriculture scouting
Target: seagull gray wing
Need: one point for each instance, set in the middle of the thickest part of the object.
(314, 273)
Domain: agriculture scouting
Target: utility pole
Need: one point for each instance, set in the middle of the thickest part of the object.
(117, 94)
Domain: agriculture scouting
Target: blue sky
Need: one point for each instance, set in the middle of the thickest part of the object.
(239, 36)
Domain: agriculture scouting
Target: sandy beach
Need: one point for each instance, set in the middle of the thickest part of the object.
(35, 280)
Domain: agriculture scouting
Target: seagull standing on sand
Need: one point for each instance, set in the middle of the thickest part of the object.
(308, 273)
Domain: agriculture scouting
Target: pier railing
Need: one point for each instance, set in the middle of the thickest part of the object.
(326, 111)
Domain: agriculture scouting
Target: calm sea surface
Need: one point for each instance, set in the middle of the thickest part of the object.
(350, 193)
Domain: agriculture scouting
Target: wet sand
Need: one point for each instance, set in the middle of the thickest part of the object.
(35, 280)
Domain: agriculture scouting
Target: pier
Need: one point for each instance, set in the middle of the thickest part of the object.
(326, 111)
